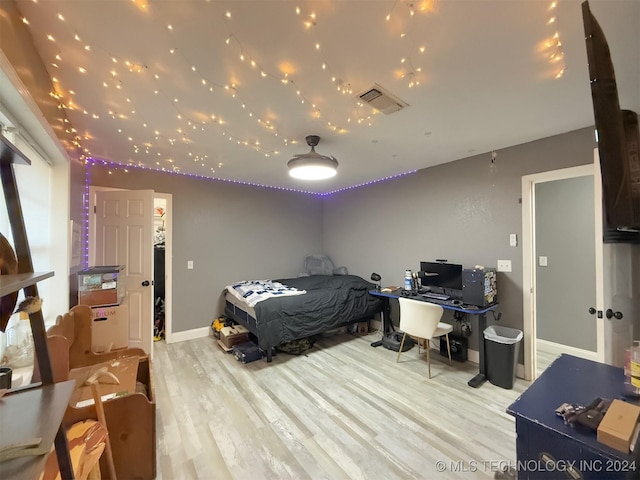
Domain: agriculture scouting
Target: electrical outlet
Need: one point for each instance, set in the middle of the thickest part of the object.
(542, 261)
(504, 265)
(189, 264)
(513, 240)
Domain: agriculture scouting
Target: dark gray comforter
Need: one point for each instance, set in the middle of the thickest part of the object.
(330, 301)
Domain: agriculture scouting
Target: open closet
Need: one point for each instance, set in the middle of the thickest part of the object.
(159, 217)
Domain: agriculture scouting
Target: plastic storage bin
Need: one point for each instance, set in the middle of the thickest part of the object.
(500, 353)
(100, 286)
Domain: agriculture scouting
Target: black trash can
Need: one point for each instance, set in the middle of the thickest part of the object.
(500, 354)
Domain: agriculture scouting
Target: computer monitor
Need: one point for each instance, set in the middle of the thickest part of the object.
(443, 275)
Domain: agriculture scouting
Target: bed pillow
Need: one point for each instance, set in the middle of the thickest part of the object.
(318, 265)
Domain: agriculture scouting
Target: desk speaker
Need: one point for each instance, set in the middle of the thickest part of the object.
(458, 346)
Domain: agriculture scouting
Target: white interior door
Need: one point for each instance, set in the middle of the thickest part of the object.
(124, 236)
(530, 260)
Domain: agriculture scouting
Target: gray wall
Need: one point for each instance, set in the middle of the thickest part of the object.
(462, 211)
(565, 234)
(231, 232)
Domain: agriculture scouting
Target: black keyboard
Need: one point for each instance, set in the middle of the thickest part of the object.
(436, 296)
(436, 301)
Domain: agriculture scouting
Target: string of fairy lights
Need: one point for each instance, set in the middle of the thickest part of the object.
(552, 46)
(358, 114)
(117, 81)
(119, 84)
(189, 125)
(409, 71)
(284, 78)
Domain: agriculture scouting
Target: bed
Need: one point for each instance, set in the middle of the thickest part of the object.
(329, 301)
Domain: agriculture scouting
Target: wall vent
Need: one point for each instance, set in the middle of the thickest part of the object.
(382, 100)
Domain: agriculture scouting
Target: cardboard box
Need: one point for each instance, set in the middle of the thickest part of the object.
(230, 336)
(363, 328)
(110, 329)
(617, 425)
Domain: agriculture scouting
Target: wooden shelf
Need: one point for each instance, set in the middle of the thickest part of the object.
(32, 413)
(38, 412)
(13, 283)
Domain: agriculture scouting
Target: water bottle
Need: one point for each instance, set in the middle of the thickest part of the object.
(407, 280)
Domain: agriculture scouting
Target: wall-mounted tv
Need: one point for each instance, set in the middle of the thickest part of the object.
(618, 138)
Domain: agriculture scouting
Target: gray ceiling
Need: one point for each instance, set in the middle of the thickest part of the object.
(229, 89)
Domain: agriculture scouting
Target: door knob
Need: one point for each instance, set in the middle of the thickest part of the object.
(145, 283)
(610, 313)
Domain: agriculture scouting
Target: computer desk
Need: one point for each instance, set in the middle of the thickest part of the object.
(480, 312)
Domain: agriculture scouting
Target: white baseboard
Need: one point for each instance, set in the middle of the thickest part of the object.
(190, 334)
(557, 349)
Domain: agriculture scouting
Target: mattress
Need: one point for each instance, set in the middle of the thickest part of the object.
(330, 301)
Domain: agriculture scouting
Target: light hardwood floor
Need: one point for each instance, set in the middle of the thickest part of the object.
(343, 411)
(544, 359)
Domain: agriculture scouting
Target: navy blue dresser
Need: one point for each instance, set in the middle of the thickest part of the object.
(546, 447)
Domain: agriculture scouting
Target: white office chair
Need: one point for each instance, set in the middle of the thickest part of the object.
(422, 320)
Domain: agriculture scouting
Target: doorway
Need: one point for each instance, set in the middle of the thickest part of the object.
(162, 263)
(560, 277)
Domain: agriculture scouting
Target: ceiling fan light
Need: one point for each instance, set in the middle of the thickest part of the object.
(312, 169)
(312, 165)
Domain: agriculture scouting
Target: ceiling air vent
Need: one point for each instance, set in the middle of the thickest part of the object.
(382, 100)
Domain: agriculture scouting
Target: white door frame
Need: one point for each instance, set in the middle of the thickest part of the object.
(528, 259)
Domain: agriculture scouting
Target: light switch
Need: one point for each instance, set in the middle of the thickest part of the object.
(189, 264)
(504, 265)
(513, 240)
(542, 261)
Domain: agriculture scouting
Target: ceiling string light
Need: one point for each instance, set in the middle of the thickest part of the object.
(408, 71)
(233, 91)
(341, 85)
(69, 105)
(284, 79)
(552, 46)
(116, 80)
(147, 146)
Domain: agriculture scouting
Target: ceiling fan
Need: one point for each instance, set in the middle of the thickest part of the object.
(312, 165)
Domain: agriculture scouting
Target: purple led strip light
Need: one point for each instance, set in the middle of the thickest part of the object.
(85, 199)
(92, 161)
